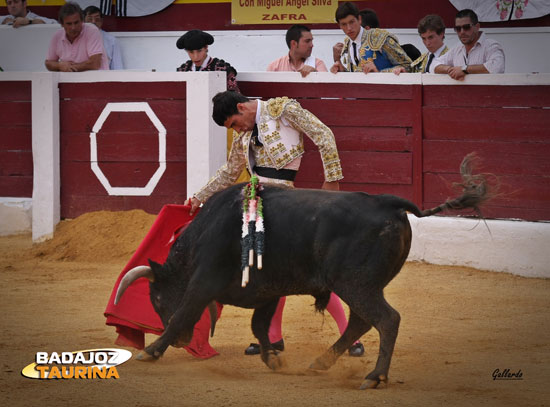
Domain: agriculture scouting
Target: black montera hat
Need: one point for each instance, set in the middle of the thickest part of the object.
(194, 39)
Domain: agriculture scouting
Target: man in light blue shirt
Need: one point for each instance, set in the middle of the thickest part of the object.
(93, 15)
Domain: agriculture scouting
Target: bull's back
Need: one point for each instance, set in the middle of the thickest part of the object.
(328, 235)
(313, 238)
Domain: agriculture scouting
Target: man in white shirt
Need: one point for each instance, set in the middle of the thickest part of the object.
(92, 14)
(19, 16)
(299, 59)
(476, 53)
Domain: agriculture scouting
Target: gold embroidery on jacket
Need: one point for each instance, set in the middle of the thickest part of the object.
(273, 137)
(376, 38)
(230, 171)
(298, 119)
(275, 106)
(277, 149)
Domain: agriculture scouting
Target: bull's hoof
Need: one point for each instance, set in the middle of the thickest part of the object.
(146, 357)
(319, 364)
(324, 362)
(274, 361)
(381, 382)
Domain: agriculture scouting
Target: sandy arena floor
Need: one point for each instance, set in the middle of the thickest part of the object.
(458, 326)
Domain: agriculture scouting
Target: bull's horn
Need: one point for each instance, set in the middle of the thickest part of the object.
(213, 309)
(131, 276)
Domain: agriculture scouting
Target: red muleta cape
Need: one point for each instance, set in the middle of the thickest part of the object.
(134, 315)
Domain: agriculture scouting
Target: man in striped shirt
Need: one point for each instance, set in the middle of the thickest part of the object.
(476, 53)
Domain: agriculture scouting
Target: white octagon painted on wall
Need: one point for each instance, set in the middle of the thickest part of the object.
(155, 178)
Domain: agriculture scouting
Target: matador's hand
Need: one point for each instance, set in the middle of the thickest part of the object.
(194, 203)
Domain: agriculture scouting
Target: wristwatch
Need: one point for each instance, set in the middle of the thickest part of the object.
(465, 69)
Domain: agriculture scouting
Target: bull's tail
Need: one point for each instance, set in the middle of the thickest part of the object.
(475, 191)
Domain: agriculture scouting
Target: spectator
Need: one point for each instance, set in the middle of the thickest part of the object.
(431, 29)
(18, 15)
(196, 43)
(369, 19)
(476, 53)
(298, 59)
(77, 46)
(92, 14)
(373, 50)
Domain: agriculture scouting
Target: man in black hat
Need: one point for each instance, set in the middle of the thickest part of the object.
(196, 43)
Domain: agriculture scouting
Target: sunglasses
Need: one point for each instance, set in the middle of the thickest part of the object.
(465, 27)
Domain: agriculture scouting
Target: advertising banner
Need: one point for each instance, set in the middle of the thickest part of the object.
(282, 11)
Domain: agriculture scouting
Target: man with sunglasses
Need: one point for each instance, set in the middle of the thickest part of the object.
(476, 53)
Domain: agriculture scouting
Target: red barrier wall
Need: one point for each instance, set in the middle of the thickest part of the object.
(127, 145)
(509, 128)
(409, 140)
(406, 140)
(16, 164)
(376, 129)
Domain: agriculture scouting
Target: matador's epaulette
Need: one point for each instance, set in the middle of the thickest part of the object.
(376, 38)
(276, 106)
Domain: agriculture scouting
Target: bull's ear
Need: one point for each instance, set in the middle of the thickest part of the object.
(155, 267)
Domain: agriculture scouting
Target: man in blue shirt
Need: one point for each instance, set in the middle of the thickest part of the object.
(93, 15)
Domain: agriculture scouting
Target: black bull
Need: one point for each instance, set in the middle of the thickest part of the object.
(350, 243)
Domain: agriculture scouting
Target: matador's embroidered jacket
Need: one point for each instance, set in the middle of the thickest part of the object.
(280, 131)
(380, 47)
